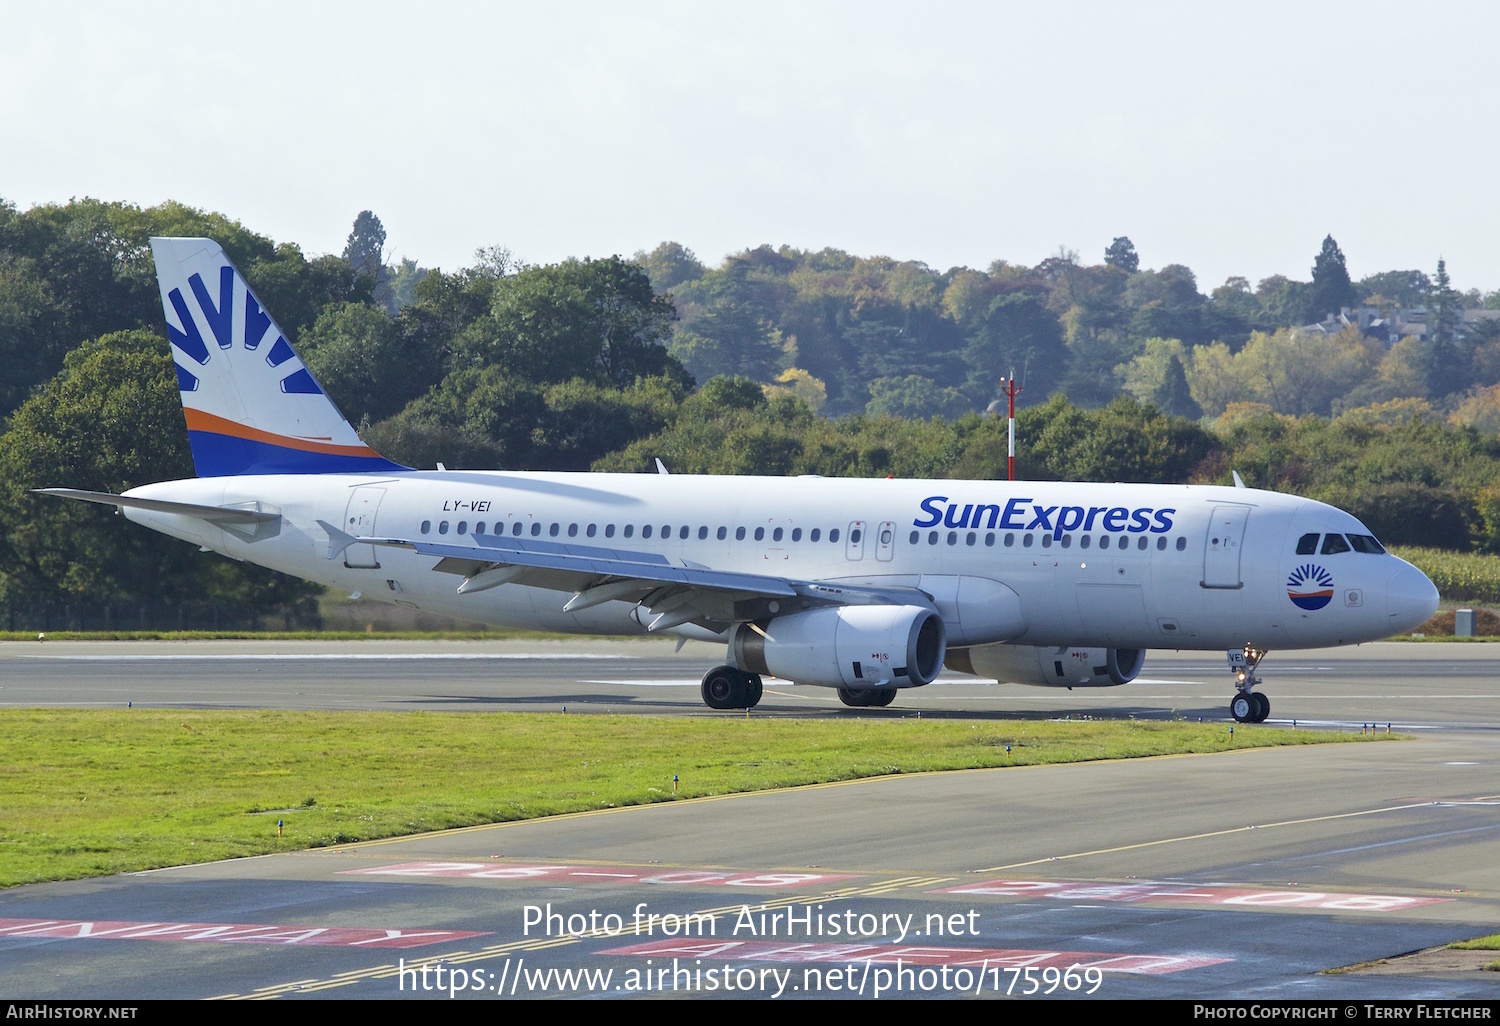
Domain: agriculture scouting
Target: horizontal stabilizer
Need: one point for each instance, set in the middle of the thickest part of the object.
(213, 514)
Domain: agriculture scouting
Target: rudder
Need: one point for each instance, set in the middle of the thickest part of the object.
(252, 406)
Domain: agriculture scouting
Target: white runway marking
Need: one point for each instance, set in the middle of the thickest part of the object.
(695, 682)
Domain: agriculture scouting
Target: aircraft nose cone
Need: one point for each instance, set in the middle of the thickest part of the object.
(1410, 598)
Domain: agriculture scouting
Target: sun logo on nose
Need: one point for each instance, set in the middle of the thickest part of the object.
(1310, 587)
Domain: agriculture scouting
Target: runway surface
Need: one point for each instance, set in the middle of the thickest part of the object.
(1242, 875)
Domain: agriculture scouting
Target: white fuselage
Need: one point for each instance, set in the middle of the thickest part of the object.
(1136, 566)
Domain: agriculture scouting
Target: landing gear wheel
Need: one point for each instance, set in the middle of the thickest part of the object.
(1243, 707)
(1262, 707)
(722, 688)
(864, 698)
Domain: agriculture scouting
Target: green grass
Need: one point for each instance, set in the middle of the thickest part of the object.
(90, 792)
(1490, 943)
(1459, 576)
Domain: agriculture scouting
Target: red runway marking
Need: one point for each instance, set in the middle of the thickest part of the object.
(633, 874)
(1240, 897)
(229, 933)
(888, 954)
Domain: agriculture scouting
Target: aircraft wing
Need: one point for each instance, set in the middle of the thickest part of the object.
(672, 593)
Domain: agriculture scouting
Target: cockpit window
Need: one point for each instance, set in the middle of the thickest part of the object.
(1334, 543)
(1366, 544)
(1307, 545)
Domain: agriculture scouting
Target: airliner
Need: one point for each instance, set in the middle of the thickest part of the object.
(866, 586)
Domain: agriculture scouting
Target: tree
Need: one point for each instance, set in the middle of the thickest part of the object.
(1016, 334)
(1173, 395)
(365, 248)
(1448, 358)
(594, 319)
(1331, 288)
(1121, 253)
(365, 364)
(915, 398)
(670, 264)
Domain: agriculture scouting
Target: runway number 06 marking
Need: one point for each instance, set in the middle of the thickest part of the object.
(601, 874)
(1242, 897)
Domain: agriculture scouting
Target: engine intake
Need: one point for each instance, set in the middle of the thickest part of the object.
(1064, 667)
(846, 646)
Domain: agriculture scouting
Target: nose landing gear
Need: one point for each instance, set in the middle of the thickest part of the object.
(1248, 705)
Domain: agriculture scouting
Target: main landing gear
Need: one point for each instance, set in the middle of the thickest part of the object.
(724, 687)
(864, 698)
(1248, 705)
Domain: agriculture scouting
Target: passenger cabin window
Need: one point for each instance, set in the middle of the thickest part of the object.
(1366, 544)
(463, 527)
(723, 533)
(760, 534)
(645, 531)
(630, 530)
(702, 533)
(776, 534)
(913, 539)
(592, 528)
(739, 534)
(479, 527)
(815, 534)
(516, 528)
(443, 527)
(609, 530)
(1307, 545)
(1334, 544)
(796, 534)
(1181, 543)
(427, 527)
(833, 536)
(683, 531)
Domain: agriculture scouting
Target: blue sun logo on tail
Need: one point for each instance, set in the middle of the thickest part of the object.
(1310, 587)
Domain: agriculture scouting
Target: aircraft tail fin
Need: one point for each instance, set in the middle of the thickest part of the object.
(252, 406)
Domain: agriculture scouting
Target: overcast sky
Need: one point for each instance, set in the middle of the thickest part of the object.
(1228, 137)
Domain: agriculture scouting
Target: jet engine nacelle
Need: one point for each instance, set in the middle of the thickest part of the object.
(846, 646)
(1050, 667)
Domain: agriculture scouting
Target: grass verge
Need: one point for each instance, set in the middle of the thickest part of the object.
(91, 792)
(1490, 943)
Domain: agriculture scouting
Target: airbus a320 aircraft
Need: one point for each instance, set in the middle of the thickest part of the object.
(867, 586)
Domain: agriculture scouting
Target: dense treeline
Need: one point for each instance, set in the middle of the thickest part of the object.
(810, 363)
